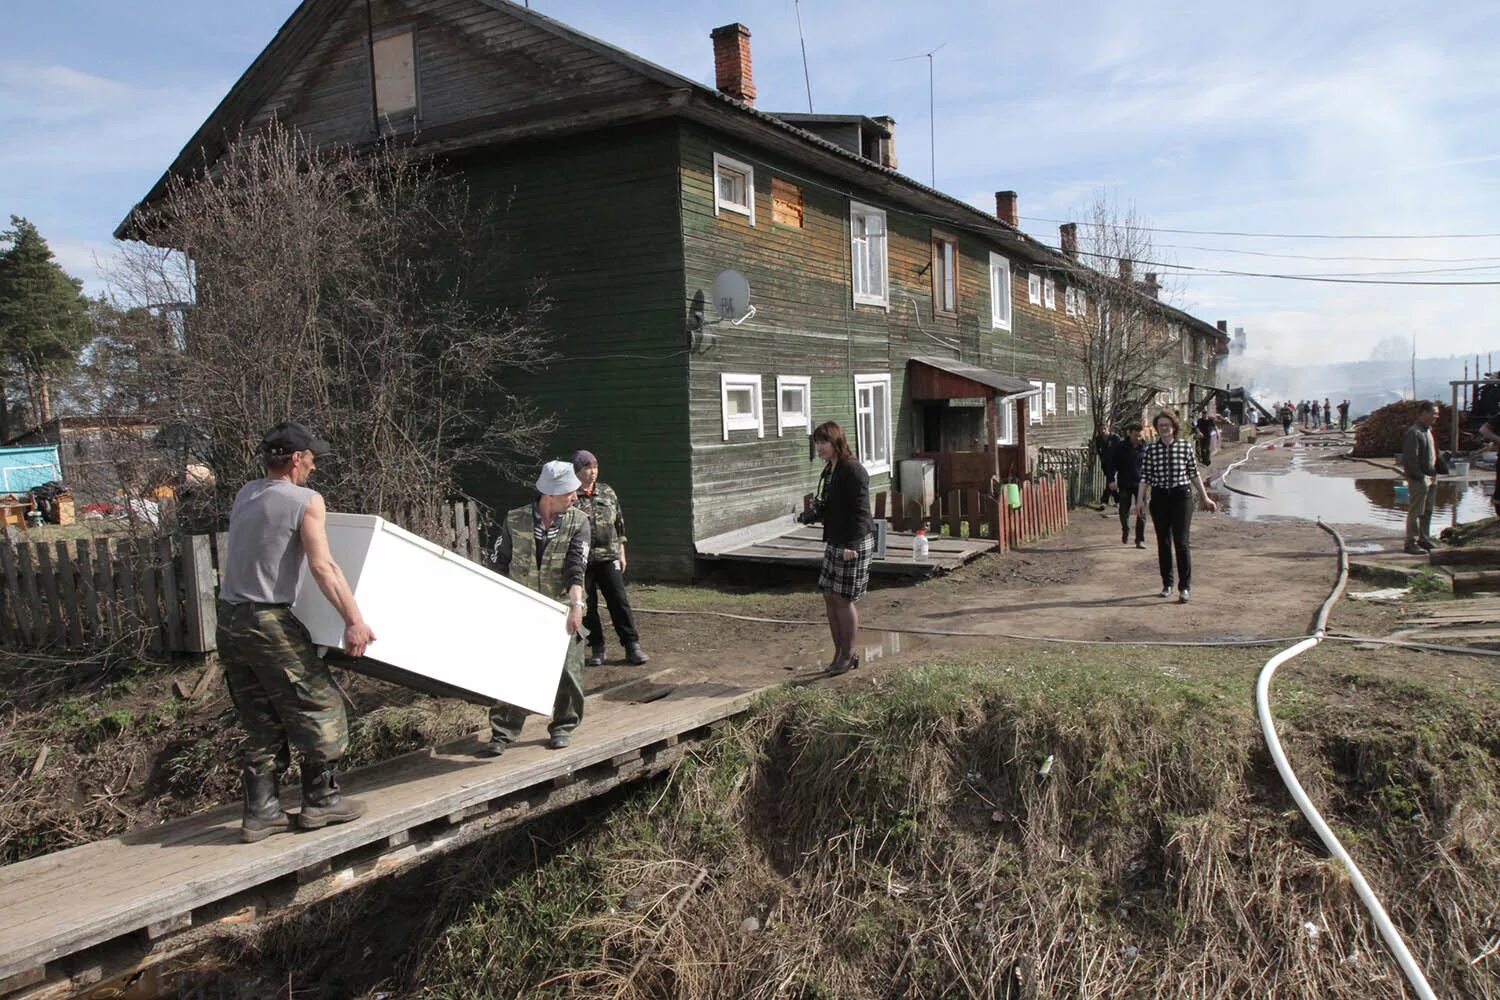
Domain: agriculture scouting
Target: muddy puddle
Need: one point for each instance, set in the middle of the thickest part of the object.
(1299, 493)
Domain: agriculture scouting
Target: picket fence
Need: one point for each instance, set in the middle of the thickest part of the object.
(1043, 512)
(154, 595)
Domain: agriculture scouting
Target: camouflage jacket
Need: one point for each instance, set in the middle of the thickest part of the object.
(602, 508)
(563, 559)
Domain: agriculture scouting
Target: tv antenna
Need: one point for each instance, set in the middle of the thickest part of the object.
(931, 105)
(806, 78)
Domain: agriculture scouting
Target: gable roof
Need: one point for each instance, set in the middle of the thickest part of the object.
(674, 94)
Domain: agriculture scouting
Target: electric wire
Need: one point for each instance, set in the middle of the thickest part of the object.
(1275, 236)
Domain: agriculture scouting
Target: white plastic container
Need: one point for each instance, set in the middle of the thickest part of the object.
(919, 546)
(443, 624)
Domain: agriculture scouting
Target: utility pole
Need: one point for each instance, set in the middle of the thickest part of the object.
(931, 106)
(806, 77)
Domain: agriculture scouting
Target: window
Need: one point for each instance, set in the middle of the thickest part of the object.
(944, 274)
(1034, 402)
(1007, 422)
(395, 72)
(740, 396)
(1081, 302)
(867, 252)
(1034, 288)
(872, 413)
(999, 292)
(1068, 305)
(1049, 293)
(1050, 395)
(793, 402)
(1072, 399)
(1083, 399)
(1173, 332)
(1187, 349)
(786, 203)
(734, 187)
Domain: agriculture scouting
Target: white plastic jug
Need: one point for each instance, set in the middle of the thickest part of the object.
(919, 546)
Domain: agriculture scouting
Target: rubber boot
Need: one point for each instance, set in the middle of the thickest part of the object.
(321, 802)
(263, 812)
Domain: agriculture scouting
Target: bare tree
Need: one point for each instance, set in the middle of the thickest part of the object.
(336, 289)
(1125, 345)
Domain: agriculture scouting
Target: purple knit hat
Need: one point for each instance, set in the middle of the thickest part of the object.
(583, 459)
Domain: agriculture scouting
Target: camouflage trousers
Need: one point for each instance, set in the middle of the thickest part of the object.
(567, 707)
(283, 694)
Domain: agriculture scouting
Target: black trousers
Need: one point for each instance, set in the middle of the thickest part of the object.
(1127, 500)
(1172, 517)
(606, 577)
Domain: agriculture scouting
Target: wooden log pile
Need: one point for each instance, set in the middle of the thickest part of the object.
(1379, 435)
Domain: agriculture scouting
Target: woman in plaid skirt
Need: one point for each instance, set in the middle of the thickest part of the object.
(843, 505)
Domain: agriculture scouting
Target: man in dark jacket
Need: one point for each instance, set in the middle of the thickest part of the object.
(607, 564)
(1104, 443)
(1419, 463)
(1125, 459)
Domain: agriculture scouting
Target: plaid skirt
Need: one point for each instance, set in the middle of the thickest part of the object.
(847, 579)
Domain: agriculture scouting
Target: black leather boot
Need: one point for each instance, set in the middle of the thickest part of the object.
(263, 813)
(321, 802)
(634, 655)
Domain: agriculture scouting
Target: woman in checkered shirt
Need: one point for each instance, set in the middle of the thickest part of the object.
(1170, 470)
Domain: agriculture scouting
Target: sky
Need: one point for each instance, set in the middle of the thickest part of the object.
(1347, 118)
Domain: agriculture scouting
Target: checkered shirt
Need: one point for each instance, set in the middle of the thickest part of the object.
(1168, 466)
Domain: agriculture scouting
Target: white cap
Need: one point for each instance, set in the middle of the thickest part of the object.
(557, 478)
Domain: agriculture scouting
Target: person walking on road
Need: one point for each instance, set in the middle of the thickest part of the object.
(607, 564)
(1126, 461)
(1419, 461)
(1170, 472)
(284, 696)
(843, 505)
(545, 546)
(1286, 419)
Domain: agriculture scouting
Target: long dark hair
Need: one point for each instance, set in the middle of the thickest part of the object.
(834, 435)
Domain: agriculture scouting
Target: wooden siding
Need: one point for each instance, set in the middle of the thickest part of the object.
(472, 62)
(595, 219)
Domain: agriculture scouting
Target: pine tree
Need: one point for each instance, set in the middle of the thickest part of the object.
(44, 318)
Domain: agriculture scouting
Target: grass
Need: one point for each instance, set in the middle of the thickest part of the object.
(905, 836)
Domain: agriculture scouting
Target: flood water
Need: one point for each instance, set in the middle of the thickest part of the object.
(1298, 493)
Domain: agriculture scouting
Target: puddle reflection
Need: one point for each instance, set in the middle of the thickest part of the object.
(1337, 500)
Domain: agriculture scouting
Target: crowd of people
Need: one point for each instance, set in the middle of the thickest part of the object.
(1312, 415)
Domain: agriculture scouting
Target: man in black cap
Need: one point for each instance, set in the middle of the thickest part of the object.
(283, 693)
(607, 564)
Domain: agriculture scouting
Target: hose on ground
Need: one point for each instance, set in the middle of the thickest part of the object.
(1388, 931)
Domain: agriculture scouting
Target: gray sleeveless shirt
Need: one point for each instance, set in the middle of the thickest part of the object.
(265, 542)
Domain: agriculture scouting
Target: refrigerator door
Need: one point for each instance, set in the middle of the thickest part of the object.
(442, 624)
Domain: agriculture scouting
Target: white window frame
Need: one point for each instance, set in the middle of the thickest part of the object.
(1083, 399)
(1173, 332)
(944, 274)
(722, 162)
(1034, 408)
(757, 422)
(1000, 304)
(1049, 397)
(1049, 293)
(1072, 399)
(1034, 288)
(1007, 417)
(861, 247)
(1081, 303)
(872, 464)
(1068, 300)
(784, 382)
(1187, 349)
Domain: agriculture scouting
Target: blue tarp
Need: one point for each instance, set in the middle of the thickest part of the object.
(22, 469)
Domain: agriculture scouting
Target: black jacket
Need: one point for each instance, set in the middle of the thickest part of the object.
(1125, 460)
(843, 505)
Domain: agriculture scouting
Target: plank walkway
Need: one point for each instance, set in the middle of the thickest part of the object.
(72, 919)
(1473, 622)
(802, 545)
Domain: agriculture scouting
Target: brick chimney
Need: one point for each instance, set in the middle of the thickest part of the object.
(1005, 209)
(1127, 271)
(1067, 235)
(732, 62)
(1223, 325)
(1153, 286)
(887, 146)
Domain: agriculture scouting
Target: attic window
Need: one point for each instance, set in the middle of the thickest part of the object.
(734, 187)
(395, 61)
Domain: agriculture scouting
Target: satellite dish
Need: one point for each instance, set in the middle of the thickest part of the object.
(732, 296)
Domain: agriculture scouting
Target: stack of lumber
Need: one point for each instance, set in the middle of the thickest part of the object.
(1379, 434)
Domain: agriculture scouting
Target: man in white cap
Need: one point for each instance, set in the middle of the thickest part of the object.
(545, 546)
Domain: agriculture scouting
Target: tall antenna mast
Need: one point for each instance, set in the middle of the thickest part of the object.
(797, 4)
(931, 106)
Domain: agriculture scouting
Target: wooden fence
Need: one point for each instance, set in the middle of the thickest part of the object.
(975, 515)
(1078, 467)
(154, 595)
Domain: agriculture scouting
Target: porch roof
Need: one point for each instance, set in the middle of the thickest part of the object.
(944, 378)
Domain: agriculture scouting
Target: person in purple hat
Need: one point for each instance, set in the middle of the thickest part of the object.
(607, 564)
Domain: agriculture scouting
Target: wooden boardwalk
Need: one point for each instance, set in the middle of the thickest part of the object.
(77, 918)
(802, 545)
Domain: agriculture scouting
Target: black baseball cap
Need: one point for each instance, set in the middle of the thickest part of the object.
(289, 436)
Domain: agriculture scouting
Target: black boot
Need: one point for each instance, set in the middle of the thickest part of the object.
(634, 655)
(595, 657)
(321, 802)
(263, 813)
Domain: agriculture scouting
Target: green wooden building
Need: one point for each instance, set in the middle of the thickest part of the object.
(931, 330)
